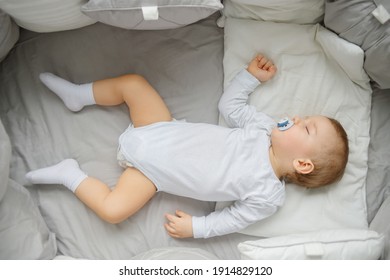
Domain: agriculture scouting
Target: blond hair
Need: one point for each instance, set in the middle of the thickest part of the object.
(329, 164)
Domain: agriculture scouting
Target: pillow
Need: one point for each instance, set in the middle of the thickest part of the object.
(381, 225)
(5, 156)
(313, 78)
(359, 22)
(378, 176)
(9, 34)
(293, 11)
(342, 244)
(23, 232)
(175, 253)
(47, 15)
(151, 14)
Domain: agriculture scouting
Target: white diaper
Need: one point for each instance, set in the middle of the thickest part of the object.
(122, 161)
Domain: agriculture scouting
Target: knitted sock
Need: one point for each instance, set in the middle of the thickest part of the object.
(67, 173)
(74, 96)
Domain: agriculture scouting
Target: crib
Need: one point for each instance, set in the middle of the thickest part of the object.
(333, 58)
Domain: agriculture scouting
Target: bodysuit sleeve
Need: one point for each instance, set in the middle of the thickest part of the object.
(233, 104)
(231, 219)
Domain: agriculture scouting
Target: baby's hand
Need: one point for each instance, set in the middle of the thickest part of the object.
(179, 225)
(262, 68)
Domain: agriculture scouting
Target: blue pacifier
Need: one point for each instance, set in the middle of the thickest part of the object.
(285, 124)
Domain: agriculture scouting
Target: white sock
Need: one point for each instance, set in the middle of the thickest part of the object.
(67, 173)
(74, 96)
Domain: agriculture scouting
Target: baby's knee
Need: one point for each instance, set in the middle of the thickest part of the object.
(112, 215)
(131, 81)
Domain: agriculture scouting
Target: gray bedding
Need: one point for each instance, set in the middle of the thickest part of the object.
(354, 21)
(378, 176)
(184, 65)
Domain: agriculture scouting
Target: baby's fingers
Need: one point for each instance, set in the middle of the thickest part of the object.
(169, 228)
(170, 225)
(181, 214)
(171, 218)
(272, 69)
(261, 61)
(267, 65)
(171, 231)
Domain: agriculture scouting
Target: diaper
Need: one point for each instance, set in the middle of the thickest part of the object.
(122, 161)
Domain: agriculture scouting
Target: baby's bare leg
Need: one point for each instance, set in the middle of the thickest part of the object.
(145, 104)
(132, 191)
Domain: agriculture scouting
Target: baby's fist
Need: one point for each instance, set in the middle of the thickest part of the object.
(262, 68)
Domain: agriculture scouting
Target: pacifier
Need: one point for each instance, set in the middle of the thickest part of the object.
(285, 124)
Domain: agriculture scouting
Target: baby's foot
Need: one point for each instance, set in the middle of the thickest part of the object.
(67, 173)
(75, 97)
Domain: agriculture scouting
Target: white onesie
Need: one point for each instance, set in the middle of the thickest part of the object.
(213, 163)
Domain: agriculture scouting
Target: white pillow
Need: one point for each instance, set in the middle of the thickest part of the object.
(47, 15)
(293, 11)
(309, 81)
(9, 34)
(150, 14)
(347, 244)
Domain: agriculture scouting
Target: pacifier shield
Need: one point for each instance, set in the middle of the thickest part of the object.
(285, 124)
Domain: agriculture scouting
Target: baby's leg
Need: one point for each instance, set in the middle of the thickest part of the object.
(145, 104)
(132, 191)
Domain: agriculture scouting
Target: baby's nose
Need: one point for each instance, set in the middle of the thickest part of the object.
(296, 119)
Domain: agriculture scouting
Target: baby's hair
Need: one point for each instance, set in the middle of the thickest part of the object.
(329, 164)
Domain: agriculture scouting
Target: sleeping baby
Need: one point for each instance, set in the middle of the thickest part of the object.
(247, 162)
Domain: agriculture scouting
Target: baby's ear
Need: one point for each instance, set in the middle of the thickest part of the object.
(303, 166)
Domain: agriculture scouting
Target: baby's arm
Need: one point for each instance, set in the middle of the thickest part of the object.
(233, 103)
(228, 220)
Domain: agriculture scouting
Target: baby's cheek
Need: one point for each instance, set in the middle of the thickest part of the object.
(281, 140)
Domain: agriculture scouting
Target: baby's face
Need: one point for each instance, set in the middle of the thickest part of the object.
(307, 136)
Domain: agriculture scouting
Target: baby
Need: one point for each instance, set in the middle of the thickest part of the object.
(246, 162)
